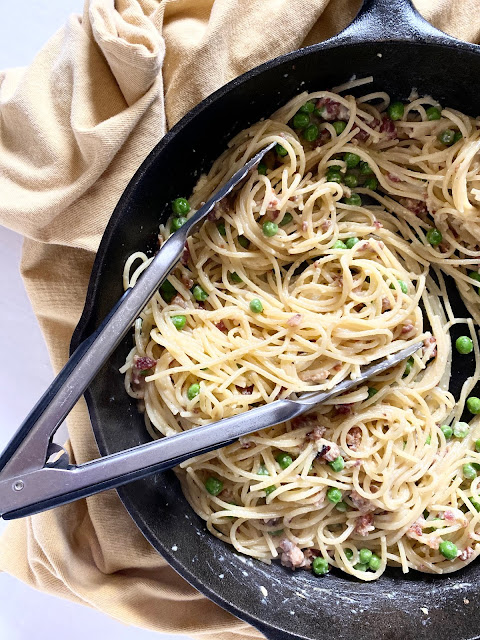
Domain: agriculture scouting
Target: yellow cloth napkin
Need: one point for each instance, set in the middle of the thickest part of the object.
(74, 127)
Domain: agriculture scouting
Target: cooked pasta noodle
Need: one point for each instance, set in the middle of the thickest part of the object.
(331, 255)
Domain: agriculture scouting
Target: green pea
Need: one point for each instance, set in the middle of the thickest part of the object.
(364, 556)
(180, 206)
(177, 223)
(403, 286)
(458, 136)
(433, 113)
(448, 550)
(477, 446)
(235, 277)
(354, 200)
(300, 120)
(460, 430)
(351, 180)
(434, 237)
(351, 242)
(276, 533)
(221, 229)
(396, 111)
(372, 391)
(270, 489)
(351, 159)
(447, 137)
(338, 464)
(256, 305)
(349, 554)
(167, 291)
(308, 107)
(269, 228)
(464, 345)
(476, 505)
(311, 133)
(341, 506)
(474, 275)
(199, 294)
(213, 485)
(284, 460)
(408, 367)
(334, 176)
(469, 471)
(473, 405)
(193, 391)
(179, 322)
(243, 242)
(262, 169)
(447, 431)
(339, 126)
(334, 167)
(375, 562)
(320, 566)
(334, 495)
(287, 218)
(360, 566)
(365, 168)
(339, 245)
(262, 471)
(281, 151)
(371, 183)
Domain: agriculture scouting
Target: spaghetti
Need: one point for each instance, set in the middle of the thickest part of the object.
(331, 255)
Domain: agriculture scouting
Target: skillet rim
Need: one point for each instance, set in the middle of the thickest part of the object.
(344, 38)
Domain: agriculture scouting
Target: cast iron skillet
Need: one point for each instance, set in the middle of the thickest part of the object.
(390, 41)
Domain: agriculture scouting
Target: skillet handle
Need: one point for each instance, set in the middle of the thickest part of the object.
(380, 20)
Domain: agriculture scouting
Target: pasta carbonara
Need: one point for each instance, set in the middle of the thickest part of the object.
(332, 254)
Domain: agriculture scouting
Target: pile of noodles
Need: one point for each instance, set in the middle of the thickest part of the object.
(326, 312)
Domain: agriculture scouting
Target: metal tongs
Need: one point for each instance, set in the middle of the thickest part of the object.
(30, 482)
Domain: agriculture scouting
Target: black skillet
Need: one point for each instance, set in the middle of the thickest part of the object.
(390, 41)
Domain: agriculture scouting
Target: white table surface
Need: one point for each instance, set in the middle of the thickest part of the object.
(25, 613)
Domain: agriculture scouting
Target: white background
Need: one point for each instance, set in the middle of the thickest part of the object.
(25, 613)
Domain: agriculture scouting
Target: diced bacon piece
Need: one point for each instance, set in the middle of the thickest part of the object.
(455, 516)
(142, 363)
(246, 391)
(363, 135)
(295, 320)
(304, 225)
(364, 524)
(415, 206)
(246, 443)
(310, 555)
(179, 301)
(393, 177)
(329, 452)
(272, 214)
(273, 202)
(386, 304)
(407, 328)
(388, 127)
(313, 376)
(272, 522)
(221, 326)
(186, 281)
(364, 245)
(343, 409)
(316, 434)
(415, 531)
(427, 348)
(292, 555)
(354, 438)
(226, 495)
(326, 224)
(221, 208)
(362, 504)
(377, 224)
(332, 110)
(186, 254)
(466, 554)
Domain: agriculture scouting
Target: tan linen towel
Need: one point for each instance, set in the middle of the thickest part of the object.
(74, 127)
